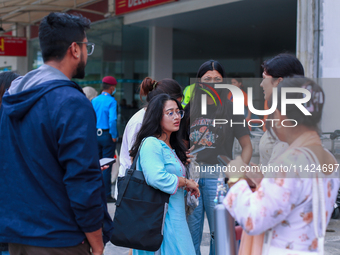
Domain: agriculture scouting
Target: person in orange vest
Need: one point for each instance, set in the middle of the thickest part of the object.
(237, 81)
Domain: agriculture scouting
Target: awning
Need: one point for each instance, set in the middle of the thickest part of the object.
(27, 12)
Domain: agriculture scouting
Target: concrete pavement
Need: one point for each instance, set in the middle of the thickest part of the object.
(332, 240)
(111, 249)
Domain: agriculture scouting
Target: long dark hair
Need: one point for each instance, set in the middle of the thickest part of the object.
(151, 126)
(6, 79)
(210, 65)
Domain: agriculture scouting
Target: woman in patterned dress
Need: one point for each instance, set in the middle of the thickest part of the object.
(283, 201)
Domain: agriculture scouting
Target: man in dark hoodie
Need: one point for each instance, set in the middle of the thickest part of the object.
(51, 186)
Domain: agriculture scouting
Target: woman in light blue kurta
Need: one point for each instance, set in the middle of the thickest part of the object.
(163, 169)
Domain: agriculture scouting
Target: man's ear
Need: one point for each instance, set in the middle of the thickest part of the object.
(75, 50)
(278, 80)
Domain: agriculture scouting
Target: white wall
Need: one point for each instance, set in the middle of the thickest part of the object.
(330, 64)
(331, 39)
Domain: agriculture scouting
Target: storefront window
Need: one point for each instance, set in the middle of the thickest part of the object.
(34, 54)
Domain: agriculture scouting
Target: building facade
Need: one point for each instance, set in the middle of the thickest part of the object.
(171, 39)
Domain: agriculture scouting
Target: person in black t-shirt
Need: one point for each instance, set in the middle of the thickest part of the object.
(218, 139)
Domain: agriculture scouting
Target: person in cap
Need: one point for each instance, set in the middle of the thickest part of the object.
(105, 107)
(51, 183)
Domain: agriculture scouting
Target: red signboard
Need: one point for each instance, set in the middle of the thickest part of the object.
(125, 6)
(13, 46)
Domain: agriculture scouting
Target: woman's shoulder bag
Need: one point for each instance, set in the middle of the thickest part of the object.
(140, 212)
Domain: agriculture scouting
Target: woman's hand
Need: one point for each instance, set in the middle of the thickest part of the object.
(255, 175)
(251, 184)
(190, 156)
(192, 186)
(236, 163)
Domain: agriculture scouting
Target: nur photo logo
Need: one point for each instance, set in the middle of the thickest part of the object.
(238, 104)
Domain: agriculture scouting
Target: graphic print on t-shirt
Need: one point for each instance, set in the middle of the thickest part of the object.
(199, 127)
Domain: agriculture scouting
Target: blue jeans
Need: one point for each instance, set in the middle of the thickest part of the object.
(4, 253)
(207, 188)
(106, 148)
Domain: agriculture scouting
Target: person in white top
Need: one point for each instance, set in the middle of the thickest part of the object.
(294, 205)
(148, 88)
(274, 70)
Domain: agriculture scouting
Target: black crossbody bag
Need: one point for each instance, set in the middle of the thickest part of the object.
(140, 212)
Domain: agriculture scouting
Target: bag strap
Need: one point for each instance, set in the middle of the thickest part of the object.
(318, 202)
(128, 174)
(268, 235)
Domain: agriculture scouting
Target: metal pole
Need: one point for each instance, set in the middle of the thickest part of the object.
(225, 236)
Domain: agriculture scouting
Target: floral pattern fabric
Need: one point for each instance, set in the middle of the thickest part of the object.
(283, 204)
